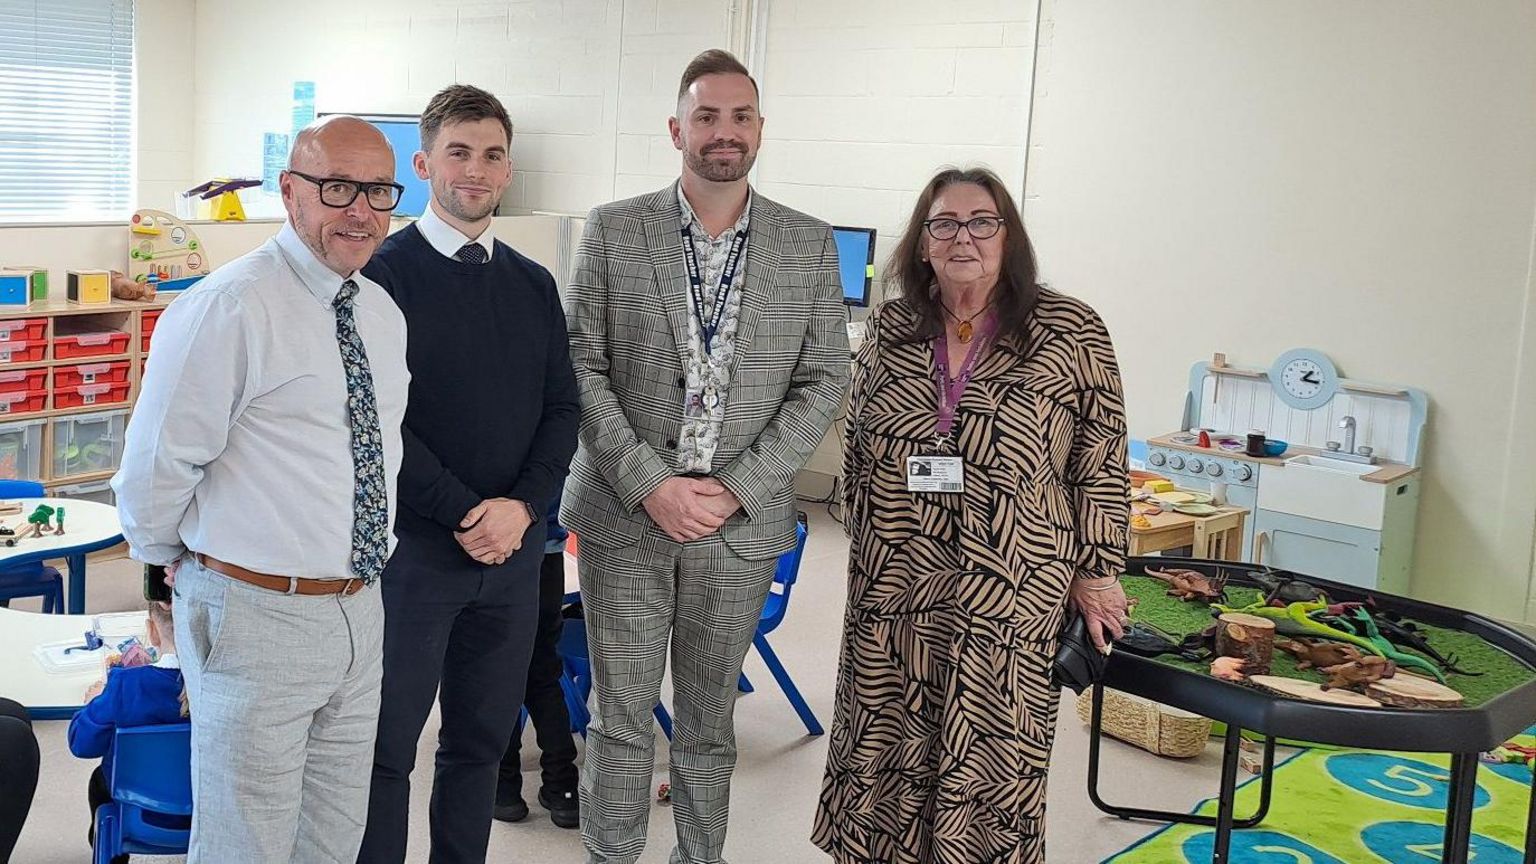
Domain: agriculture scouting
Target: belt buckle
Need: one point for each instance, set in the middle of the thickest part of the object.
(353, 586)
(293, 585)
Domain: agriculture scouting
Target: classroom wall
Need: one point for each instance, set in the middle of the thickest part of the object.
(1358, 178)
(166, 106)
(582, 79)
(865, 99)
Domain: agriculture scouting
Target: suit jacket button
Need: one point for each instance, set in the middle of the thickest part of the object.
(682, 382)
(671, 443)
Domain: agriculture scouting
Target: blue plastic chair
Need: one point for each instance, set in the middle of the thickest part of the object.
(35, 579)
(578, 668)
(772, 616)
(151, 784)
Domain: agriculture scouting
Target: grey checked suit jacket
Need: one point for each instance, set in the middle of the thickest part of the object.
(628, 311)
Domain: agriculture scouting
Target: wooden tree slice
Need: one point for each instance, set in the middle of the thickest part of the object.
(1248, 637)
(1411, 691)
(1313, 692)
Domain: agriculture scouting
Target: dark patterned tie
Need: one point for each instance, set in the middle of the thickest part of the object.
(370, 515)
(471, 253)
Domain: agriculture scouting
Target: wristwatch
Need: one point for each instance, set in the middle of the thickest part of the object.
(533, 513)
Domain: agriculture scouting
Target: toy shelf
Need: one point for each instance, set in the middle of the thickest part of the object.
(120, 331)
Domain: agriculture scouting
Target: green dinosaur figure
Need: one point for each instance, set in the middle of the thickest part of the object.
(1390, 651)
(1294, 620)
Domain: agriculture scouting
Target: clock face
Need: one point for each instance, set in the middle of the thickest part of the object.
(1304, 379)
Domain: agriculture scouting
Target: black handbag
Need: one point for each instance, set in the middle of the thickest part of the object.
(1078, 664)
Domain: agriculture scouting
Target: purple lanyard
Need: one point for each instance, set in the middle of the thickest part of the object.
(949, 389)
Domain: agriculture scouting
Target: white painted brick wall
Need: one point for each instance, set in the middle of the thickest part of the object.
(865, 99)
(589, 83)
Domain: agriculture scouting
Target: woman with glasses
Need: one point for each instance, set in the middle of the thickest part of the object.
(984, 491)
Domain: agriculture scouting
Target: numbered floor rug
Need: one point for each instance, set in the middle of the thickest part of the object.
(1356, 807)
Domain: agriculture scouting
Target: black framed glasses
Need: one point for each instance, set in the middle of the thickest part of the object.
(339, 192)
(979, 227)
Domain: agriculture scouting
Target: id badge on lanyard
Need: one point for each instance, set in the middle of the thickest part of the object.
(709, 327)
(936, 473)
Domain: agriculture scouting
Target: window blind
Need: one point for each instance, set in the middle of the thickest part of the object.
(66, 110)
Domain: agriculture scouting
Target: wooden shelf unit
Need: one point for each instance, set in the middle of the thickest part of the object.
(126, 317)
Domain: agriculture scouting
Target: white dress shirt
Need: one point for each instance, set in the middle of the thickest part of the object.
(447, 239)
(240, 445)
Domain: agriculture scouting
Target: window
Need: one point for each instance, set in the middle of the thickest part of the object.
(66, 110)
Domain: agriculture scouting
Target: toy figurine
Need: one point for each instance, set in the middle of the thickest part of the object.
(38, 521)
(59, 518)
(1366, 670)
(1294, 620)
(1362, 619)
(1310, 653)
(1189, 585)
(1228, 669)
(1281, 590)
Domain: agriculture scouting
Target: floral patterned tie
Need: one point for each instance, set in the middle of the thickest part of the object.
(370, 514)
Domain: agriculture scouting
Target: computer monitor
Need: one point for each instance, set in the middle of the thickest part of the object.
(855, 262)
(404, 134)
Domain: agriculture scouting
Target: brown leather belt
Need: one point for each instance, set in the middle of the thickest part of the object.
(281, 584)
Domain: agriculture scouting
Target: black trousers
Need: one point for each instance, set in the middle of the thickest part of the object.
(19, 759)
(461, 632)
(543, 698)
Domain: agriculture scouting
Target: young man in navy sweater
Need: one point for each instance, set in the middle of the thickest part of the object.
(489, 432)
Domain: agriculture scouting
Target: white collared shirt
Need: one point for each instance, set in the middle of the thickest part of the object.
(240, 444)
(448, 240)
(166, 661)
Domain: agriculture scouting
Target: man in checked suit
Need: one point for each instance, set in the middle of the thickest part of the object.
(707, 335)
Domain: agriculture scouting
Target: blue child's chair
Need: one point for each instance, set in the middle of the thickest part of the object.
(151, 784)
(772, 616)
(30, 580)
(578, 670)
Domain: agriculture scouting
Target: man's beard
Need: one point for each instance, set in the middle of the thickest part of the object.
(720, 172)
(459, 210)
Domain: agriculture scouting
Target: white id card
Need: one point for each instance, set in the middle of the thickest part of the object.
(935, 474)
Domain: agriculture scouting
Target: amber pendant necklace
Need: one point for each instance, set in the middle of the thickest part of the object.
(965, 329)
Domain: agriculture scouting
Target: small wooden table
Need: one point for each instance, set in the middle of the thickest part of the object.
(1218, 536)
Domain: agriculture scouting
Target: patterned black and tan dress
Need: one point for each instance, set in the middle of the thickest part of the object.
(945, 710)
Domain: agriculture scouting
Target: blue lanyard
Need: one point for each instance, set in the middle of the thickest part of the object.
(696, 283)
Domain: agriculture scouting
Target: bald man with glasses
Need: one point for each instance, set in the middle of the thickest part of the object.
(260, 469)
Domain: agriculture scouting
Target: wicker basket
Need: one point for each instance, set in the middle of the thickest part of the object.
(1149, 725)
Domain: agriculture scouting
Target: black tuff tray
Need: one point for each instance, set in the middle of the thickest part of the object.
(1429, 730)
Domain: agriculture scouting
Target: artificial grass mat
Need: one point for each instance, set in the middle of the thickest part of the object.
(1180, 618)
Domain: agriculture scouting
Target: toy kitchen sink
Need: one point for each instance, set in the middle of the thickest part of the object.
(1342, 500)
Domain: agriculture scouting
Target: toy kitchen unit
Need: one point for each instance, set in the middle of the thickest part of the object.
(1340, 500)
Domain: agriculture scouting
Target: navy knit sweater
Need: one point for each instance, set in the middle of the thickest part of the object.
(493, 404)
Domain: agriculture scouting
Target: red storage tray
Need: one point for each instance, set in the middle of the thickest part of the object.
(69, 377)
(22, 351)
(90, 394)
(89, 345)
(26, 402)
(23, 380)
(23, 329)
(148, 319)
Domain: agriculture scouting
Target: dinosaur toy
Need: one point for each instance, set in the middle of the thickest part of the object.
(1145, 640)
(1366, 670)
(1189, 585)
(1362, 619)
(1402, 632)
(1283, 590)
(1294, 619)
(1311, 653)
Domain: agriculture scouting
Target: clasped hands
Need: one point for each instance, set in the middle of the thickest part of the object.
(690, 508)
(494, 529)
